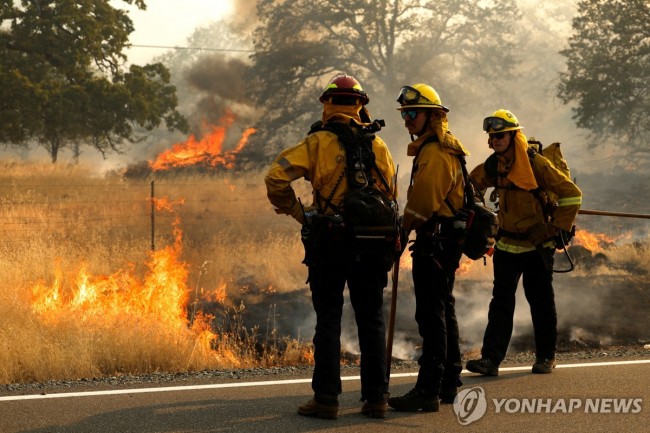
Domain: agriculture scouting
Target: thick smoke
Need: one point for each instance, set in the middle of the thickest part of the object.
(219, 80)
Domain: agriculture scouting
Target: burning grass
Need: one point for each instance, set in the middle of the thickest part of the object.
(84, 295)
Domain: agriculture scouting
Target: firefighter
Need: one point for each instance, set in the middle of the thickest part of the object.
(526, 241)
(436, 191)
(320, 159)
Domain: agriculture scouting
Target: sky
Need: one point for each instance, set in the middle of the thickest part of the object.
(169, 23)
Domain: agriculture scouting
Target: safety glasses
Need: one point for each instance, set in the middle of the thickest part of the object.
(498, 135)
(409, 95)
(409, 114)
(496, 124)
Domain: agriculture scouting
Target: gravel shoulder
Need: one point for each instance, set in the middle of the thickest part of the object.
(162, 379)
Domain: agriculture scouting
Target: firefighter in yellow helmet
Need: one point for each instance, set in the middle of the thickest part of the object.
(435, 195)
(332, 254)
(526, 241)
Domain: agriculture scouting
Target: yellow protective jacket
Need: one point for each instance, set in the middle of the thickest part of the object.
(521, 210)
(320, 159)
(436, 175)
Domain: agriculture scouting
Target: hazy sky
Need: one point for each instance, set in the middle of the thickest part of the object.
(169, 23)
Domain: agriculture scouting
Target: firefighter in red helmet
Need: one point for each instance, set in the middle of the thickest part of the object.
(321, 159)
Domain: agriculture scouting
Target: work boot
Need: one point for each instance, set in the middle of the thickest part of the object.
(317, 409)
(449, 391)
(415, 400)
(483, 366)
(375, 409)
(543, 366)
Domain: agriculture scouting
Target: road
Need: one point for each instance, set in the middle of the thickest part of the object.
(575, 398)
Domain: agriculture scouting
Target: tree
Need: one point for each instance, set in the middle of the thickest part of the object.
(63, 80)
(458, 45)
(608, 71)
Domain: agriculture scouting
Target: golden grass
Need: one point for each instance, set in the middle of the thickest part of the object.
(58, 221)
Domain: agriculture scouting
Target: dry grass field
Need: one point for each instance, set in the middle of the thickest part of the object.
(83, 294)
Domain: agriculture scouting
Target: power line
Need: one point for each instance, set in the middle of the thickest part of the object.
(164, 47)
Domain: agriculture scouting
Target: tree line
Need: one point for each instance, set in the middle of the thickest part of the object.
(65, 83)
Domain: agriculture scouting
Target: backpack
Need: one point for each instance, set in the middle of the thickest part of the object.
(481, 222)
(370, 216)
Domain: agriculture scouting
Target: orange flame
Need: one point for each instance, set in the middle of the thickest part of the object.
(161, 296)
(208, 150)
(592, 241)
(464, 266)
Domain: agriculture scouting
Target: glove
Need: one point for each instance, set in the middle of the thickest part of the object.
(297, 213)
(541, 233)
(564, 238)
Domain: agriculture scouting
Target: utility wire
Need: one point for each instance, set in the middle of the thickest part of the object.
(164, 47)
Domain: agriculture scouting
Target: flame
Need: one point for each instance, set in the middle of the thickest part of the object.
(464, 266)
(163, 204)
(161, 296)
(208, 150)
(592, 241)
(308, 355)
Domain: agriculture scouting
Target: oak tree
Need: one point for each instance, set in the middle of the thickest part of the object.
(607, 75)
(457, 45)
(64, 81)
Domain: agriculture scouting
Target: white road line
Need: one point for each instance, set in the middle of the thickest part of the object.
(274, 382)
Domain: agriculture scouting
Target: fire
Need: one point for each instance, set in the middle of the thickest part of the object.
(205, 151)
(163, 204)
(464, 266)
(160, 297)
(592, 241)
(406, 262)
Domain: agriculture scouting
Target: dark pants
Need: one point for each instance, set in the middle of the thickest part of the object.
(366, 278)
(538, 288)
(434, 265)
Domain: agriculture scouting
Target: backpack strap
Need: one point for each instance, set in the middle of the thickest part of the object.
(353, 141)
(491, 169)
(417, 156)
(468, 193)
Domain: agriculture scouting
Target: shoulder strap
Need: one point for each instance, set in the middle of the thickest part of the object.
(491, 164)
(353, 141)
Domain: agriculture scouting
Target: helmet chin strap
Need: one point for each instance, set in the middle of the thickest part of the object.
(426, 124)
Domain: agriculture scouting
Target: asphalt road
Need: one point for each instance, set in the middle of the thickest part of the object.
(596, 397)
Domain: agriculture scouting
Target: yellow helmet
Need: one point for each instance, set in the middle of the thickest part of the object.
(501, 120)
(419, 96)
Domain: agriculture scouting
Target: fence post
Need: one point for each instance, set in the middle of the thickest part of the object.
(153, 222)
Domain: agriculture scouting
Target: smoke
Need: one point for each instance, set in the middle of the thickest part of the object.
(611, 309)
(219, 80)
(244, 14)
(220, 76)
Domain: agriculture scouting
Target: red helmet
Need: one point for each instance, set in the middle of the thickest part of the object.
(344, 85)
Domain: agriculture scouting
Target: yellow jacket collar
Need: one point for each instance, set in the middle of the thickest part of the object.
(439, 126)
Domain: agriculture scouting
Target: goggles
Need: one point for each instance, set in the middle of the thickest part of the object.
(497, 124)
(498, 135)
(409, 95)
(409, 114)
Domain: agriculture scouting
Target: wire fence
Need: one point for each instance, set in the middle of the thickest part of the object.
(27, 209)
